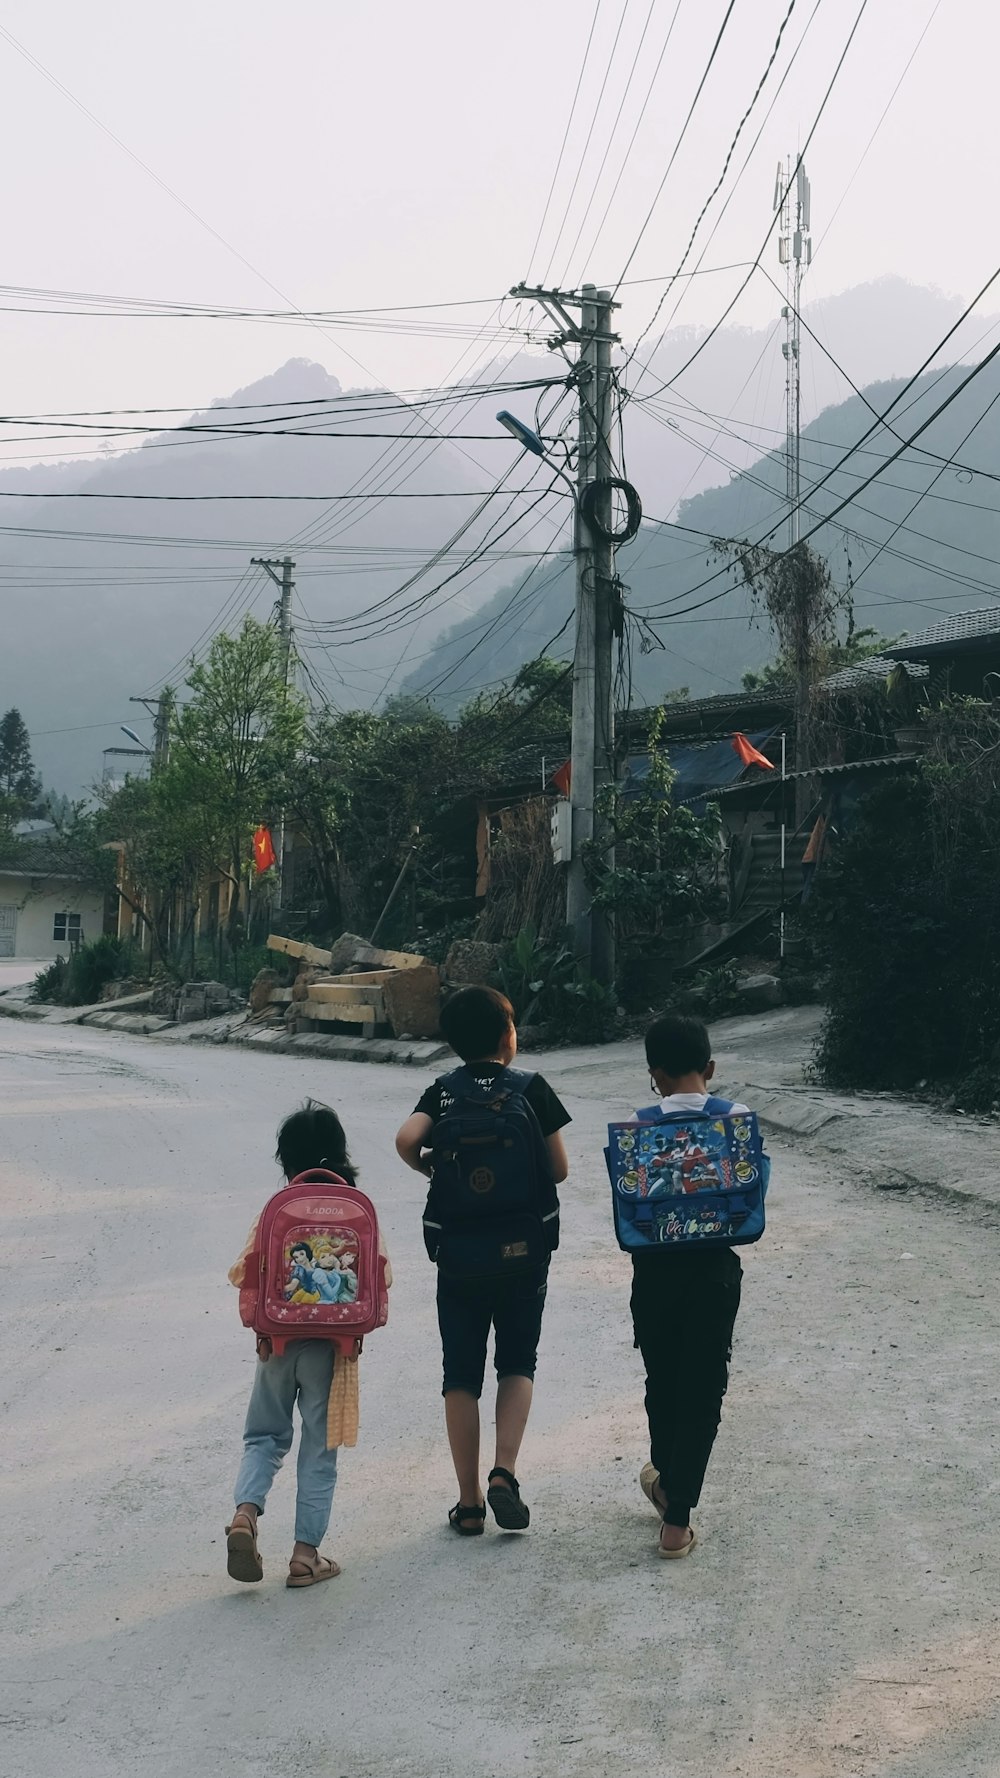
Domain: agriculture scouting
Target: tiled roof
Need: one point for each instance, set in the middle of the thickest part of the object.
(965, 627)
(876, 667)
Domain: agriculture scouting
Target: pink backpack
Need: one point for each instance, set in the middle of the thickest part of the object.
(316, 1271)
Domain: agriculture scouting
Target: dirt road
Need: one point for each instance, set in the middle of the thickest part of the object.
(841, 1618)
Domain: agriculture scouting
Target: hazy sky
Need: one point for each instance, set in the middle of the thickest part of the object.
(352, 156)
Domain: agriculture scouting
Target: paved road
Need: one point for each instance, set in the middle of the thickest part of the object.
(840, 1618)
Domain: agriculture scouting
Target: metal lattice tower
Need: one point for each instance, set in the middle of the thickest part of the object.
(792, 198)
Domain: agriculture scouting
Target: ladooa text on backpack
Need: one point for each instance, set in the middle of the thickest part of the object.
(687, 1178)
(492, 1210)
(316, 1271)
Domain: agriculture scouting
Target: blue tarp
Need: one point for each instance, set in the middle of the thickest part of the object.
(701, 767)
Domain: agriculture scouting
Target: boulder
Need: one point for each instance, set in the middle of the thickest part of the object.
(412, 999)
(758, 993)
(260, 989)
(471, 962)
(347, 950)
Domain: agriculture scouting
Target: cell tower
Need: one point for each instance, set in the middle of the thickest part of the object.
(792, 199)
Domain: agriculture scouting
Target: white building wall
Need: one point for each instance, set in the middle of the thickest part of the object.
(36, 901)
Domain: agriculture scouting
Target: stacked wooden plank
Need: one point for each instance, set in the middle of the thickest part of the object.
(373, 992)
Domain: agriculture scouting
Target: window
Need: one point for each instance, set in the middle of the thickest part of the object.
(67, 926)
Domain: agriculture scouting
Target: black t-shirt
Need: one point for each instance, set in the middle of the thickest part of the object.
(549, 1110)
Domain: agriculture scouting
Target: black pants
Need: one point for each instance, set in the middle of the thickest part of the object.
(683, 1311)
(468, 1308)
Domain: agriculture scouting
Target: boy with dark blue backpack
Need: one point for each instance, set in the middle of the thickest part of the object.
(487, 1137)
(686, 1292)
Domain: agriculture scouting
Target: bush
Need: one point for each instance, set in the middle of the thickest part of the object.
(49, 985)
(906, 924)
(77, 980)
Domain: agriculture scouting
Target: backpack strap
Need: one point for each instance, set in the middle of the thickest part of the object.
(716, 1107)
(713, 1107)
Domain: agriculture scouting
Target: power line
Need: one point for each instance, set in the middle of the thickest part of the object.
(719, 182)
(677, 145)
(562, 149)
(755, 265)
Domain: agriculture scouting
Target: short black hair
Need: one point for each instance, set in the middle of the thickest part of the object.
(301, 1247)
(678, 1045)
(314, 1137)
(475, 1022)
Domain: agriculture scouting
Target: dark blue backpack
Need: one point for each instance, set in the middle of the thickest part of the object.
(687, 1178)
(492, 1210)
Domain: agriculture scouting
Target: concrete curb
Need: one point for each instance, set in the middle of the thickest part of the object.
(230, 1029)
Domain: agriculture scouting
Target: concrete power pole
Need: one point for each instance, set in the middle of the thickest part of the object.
(285, 584)
(593, 732)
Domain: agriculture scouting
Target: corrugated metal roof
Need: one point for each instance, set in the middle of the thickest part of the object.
(963, 628)
(842, 771)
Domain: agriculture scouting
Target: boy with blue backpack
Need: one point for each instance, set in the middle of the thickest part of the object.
(688, 1180)
(487, 1137)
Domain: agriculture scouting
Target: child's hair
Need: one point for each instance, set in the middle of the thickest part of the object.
(314, 1137)
(475, 1022)
(677, 1045)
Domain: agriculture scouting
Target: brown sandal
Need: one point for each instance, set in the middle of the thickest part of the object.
(321, 1568)
(243, 1559)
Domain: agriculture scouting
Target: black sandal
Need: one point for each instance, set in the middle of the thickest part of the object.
(459, 1514)
(506, 1504)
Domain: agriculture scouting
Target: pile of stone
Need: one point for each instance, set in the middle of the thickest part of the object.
(354, 986)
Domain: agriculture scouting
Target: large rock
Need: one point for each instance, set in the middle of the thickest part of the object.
(471, 962)
(308, 973)
(412, 1000)
(260, 989)
(758, 993)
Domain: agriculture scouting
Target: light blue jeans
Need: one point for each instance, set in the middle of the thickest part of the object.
(302, 1373)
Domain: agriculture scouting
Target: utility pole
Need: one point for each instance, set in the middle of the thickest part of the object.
(792, 196)
(597, 600)
(161, 724)
(285, 584)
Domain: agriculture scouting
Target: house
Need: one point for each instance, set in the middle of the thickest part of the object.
(45, 911)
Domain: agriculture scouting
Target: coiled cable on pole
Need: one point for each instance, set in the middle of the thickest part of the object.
(595, 491)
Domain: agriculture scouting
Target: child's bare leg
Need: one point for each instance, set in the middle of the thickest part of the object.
(513, 1406)
(461, 1412)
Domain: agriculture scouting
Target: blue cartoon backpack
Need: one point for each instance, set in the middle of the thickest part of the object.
(492, 1210)
(687, 1178)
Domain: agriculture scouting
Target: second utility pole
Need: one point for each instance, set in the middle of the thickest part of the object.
(286, 585)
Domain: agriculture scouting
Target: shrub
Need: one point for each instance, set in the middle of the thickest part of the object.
(906, 921)
(77, 980)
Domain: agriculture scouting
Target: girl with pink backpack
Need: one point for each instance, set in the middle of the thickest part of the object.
(313, 1279)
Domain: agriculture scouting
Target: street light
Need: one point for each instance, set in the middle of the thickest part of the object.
(524, 435)
(130, 732)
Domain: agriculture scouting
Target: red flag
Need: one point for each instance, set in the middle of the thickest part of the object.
(264, 854)
(561, 779)
(749, 754)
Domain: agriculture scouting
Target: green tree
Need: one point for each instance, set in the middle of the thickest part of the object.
(20, 785)
(666, 868)
(171, 840)
(363, 796)
(830, 657)
(237, 740)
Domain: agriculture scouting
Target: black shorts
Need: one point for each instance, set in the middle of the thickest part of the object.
(467, 1308)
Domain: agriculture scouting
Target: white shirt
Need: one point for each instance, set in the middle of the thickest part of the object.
(675, 1102)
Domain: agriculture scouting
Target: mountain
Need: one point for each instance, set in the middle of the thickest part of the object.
(107, 597)
(705, 633)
